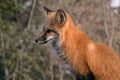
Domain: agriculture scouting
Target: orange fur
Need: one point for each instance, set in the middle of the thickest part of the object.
(86, 55)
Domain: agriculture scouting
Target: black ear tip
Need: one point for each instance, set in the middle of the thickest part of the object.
(47, 10)
(60, 10)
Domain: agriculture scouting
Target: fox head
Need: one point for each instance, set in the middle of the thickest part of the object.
(57, 21)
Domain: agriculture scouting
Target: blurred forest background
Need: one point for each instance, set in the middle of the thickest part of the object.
(20, 24)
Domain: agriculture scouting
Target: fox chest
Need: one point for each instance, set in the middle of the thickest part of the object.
(56, 47)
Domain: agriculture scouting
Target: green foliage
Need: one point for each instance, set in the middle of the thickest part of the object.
(9, 8)
(15, 59)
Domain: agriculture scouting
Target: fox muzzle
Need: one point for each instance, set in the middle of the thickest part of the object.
(41, 40)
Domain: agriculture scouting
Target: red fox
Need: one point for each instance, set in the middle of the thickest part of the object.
(76, 49)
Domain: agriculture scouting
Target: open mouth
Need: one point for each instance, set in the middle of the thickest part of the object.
(42, 41)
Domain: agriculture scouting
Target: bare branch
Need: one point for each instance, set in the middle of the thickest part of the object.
(61, 73)
(31, 13)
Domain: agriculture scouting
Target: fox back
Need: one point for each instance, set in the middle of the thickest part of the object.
(83, 55)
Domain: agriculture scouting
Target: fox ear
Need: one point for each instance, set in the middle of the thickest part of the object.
(47, 10)
(60, 17)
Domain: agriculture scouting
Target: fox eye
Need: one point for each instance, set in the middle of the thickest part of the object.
(48, 31)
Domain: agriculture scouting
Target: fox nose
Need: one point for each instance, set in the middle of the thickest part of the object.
(36, 40)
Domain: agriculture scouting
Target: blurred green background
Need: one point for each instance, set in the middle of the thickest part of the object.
(20, 24)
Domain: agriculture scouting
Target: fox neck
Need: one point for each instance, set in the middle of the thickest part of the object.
(55, 45)
(73, 44)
